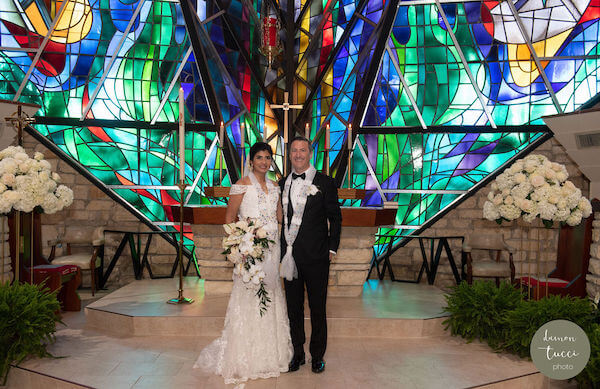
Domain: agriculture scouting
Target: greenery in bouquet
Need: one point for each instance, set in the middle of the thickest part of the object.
(28, 184)
(245, 246)
(536, 187)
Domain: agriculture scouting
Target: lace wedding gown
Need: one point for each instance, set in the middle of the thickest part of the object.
(253, 346)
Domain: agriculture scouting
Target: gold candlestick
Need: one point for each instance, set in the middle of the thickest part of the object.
(180, 299)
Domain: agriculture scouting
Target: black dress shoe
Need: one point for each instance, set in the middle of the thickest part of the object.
(295, 363)
(318, 366)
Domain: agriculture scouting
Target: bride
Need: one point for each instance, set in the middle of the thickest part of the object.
(253, 346)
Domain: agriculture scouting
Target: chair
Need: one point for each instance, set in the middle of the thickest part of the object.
(89, 255)
(483, 257)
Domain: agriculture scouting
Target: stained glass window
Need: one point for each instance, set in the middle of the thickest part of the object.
(441, 97)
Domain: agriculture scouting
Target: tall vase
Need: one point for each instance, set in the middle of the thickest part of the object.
(29, 236)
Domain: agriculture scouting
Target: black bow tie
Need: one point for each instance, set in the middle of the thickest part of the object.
(294, 176)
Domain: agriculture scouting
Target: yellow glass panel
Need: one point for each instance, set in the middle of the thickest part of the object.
(33, 13)
(522, 66)
(74, 23)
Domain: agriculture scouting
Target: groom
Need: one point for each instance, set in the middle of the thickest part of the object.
(311, 229)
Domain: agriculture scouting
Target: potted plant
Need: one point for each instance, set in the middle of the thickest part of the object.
(28, 317)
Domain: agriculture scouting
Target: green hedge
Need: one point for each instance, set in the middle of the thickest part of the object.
(501, 317)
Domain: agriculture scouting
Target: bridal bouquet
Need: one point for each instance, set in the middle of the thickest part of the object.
(245, 246)
(28, 183)
(532, 187)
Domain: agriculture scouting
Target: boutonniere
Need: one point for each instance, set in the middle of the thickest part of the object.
(312, 190)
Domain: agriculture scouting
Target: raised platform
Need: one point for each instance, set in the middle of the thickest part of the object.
(390, 337)
(385, 309)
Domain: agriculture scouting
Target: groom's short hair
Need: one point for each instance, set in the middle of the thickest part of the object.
(300, 139)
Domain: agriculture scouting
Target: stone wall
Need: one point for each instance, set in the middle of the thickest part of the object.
(593, 279)
(92, 208)
(5, 273)
(346, 275)
(529, 240)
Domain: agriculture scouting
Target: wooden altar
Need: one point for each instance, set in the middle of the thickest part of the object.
(346, 276)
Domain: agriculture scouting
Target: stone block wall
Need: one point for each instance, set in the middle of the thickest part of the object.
(346, 275)
(529, 240)
(208, 240)
(348, 272)
(5, 272)
(593, 279)
(92, 208)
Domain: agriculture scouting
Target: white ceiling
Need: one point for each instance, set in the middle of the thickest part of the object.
(565, 128)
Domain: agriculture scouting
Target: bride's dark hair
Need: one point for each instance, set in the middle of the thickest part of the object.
(258, 147)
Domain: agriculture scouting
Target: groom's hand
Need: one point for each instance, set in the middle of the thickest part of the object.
(331, 256)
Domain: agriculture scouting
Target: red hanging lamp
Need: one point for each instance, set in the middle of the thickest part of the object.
(269, 26)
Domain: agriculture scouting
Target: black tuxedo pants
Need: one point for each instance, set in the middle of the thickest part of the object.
(315, 276)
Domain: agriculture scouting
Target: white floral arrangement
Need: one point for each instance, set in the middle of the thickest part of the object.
(28, 184)
(312, 190)
(534, 186)
(245, 246)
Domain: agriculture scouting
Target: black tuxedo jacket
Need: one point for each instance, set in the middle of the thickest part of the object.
(315, 238)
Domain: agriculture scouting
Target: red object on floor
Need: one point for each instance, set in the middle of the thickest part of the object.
(552, 282)
(64, 278)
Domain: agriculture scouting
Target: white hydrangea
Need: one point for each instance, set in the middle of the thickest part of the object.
(537, 180)
(21, 156)
(549, 174)
(28, 183)
(490, 212)
(10, 151)
(51, 204)
(9, 166)
(529, 217)
(585, 206)
(575, 218)
(547, 210)
(522, 190)
(561, 214)
(534, 186)
(509, 212)
(562, 176)
(520, 178)
(8, 179)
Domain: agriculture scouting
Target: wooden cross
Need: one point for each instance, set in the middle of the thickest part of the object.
(286, 106)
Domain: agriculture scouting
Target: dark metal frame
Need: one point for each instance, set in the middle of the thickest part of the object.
(473, 190)
(111, 194)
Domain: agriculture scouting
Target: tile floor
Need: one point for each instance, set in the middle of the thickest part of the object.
(99, 360)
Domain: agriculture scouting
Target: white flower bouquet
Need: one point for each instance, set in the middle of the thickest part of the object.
(245, 246)
(28, 184)
(532, 187)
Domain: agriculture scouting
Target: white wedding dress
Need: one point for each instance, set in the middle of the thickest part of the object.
(253, 346)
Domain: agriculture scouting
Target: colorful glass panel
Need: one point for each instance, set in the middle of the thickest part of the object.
(124, 61)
